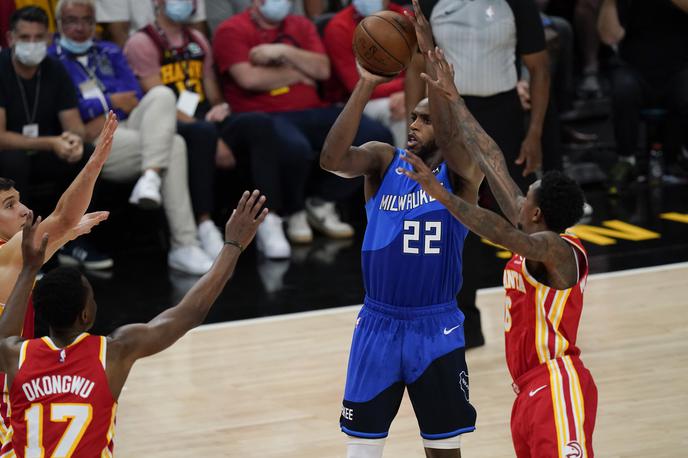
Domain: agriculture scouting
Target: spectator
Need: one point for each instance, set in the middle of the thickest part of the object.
(270, 61)
(483, 40)
(652, 71)
(122, 18)
(41, 133)
(145, 145)
(387, 103)
(159, 54)
(219, 10)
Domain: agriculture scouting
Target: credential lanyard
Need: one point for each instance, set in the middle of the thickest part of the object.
(30, 117)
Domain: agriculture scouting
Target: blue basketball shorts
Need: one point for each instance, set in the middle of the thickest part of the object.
(421, 349)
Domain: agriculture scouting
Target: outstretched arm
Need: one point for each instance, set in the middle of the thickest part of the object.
(12, 318)
(444, 120)
(338, 156)
(72, 205)
(545, 247)
(139, 340)
(480, 146)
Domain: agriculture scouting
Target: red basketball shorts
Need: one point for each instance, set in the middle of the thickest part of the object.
(554, 412)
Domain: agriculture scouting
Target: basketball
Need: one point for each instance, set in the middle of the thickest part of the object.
(384, 43)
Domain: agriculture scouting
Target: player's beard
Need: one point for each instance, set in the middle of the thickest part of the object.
(427, 150)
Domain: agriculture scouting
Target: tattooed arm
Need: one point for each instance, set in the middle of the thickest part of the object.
(444, 120)
(545, 247)
(480, 146)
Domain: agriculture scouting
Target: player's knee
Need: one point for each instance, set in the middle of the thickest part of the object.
(357, 447)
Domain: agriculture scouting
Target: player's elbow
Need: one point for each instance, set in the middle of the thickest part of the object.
(327, 163)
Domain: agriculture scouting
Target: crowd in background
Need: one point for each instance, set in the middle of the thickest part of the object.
(211, 90)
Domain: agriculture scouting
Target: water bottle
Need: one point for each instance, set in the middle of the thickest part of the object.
(656, 165)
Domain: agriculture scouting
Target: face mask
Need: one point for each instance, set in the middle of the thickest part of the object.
(30, 53)
(75, 47)
(179, 10)
(367, 7)
(275, 10)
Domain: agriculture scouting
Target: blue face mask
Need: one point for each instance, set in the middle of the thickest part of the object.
(275, 10)
(179, 10)
(367, 7)
(75, 47)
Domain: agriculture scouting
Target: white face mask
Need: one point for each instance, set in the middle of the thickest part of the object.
(275, 10)
(367, 7)
(30, 53)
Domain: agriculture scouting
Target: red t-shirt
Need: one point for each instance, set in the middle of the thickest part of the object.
(339, 35)
(232, 43)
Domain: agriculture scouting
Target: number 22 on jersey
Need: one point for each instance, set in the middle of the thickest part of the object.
(422, 238)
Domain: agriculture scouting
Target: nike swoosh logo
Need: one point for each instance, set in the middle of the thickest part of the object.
(449, 331)
(534, 392)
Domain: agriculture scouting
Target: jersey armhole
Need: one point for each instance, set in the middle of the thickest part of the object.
(384, 175)
(22, 353)
(581, 260)
(102, 353)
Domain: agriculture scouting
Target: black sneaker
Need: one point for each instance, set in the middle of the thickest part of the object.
(82, 253)
(620, 176)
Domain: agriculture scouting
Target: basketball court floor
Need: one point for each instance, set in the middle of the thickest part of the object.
(265, 377)
(271, 387)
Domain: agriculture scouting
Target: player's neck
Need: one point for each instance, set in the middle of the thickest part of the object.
(64, 338)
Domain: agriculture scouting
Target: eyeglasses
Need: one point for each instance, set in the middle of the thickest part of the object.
(71, 21)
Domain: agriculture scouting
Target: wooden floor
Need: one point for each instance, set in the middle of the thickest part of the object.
(272, 387)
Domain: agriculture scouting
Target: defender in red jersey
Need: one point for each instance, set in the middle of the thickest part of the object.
(67, 222)
(556, 404)
(64, 388)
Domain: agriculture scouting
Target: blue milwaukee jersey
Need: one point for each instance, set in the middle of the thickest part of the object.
(412, 249)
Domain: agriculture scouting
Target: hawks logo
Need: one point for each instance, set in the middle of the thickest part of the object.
(573, 450)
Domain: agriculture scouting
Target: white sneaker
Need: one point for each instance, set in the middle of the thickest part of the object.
(146, 193)
(211, 238)
(325, 219)
(298, 229)
(270, 239)
(189, 259)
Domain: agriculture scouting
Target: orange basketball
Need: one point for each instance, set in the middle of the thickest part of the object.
(384, 43)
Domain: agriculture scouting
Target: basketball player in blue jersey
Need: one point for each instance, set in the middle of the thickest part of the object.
(409, 333)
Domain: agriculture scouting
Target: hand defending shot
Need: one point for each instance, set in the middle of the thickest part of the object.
(444, 72)
(245, 219)
(102, 152)
(423, 31)
(422, 174)
(33, 250)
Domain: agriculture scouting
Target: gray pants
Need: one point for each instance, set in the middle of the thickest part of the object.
(147, 139)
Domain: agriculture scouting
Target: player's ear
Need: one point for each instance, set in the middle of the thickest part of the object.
(537, 215)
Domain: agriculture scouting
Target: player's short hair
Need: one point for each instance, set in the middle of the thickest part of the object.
(6, 184)
(561, 200)
(60, 296)
(28, 14)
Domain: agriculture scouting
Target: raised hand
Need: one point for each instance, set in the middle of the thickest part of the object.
(444, 71)
(423, 31)
(33, 251)
(88, 222)
(422, 174)
(371, 77)
(102, 152)
(245, 219)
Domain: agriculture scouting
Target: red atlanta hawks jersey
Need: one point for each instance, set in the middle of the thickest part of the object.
(61, 403)
(540, 322)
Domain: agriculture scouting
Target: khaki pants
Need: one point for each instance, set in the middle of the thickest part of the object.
(148, 139)
(378, 109)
